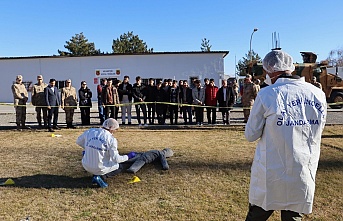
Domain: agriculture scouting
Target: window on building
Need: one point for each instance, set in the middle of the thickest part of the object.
(27, 85)
(60, 84)
(146, 80)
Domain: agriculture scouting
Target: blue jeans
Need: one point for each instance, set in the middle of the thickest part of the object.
(102, 112)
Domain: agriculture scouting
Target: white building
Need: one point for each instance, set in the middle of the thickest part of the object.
(157, 65)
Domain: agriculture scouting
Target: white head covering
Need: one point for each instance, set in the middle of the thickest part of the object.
(278, 60)
(110, 124)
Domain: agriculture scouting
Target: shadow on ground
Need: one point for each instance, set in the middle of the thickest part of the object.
(49, 181)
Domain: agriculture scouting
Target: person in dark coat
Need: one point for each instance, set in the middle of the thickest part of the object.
(101, 108)
(150, 97)
(148, 157)
(161, 96)
(125, 98)
(139, 95)
(226, 99)
(85, 103)
(174, 97)
(53, 102)
(186, 98)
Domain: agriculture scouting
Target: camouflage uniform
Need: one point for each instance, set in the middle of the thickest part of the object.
(20, 96)
(38, 100)
(235, 90)
(69, 98)
(249, 94)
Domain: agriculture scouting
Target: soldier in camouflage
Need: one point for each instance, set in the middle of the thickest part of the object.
(69, 102)
(20, 96)
(249, 94)
(38, 100)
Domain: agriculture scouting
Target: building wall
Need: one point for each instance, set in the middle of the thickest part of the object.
(175, 66)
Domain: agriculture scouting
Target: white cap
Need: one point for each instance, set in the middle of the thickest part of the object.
(278, 60)
(110, 124)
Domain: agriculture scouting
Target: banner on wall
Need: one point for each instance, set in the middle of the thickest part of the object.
(107, 73)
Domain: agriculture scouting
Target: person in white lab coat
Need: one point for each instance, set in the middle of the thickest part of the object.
(288, 118)
(101, 156)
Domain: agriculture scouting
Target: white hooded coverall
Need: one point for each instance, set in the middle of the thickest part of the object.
(101, 154)
(288, 117)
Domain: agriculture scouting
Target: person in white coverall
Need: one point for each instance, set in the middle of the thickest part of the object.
(101, 157)
(288, 118)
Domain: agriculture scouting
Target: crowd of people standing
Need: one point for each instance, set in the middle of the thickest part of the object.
(154, 102)
(47, 100)
(159, 100)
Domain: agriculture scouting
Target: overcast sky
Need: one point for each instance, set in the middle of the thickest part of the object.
(37, 28)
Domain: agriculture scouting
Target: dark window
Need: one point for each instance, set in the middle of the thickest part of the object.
(60, 84)
(28, 85)
(145, 81)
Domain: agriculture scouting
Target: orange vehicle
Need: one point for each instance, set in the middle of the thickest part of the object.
(332, 84)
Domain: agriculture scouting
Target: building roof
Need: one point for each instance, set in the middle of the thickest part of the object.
(116, 54)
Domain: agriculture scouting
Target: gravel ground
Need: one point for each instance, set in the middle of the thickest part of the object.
(7, 118)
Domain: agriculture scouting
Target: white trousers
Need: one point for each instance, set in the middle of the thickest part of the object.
(126, 109)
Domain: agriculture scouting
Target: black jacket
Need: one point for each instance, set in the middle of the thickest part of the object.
(174, 95)
(122, 92)
(139, 92)
(150, 93)
(189, 97)
(230, 97)
(85, 97)
(161, 95)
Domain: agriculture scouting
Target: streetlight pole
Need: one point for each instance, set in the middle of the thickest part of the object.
(250, 53)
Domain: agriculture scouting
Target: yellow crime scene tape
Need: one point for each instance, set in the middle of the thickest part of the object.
(139, 103)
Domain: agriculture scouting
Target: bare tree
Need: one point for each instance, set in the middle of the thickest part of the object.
(335, 58)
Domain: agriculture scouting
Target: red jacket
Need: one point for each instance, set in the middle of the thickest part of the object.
(211, 95)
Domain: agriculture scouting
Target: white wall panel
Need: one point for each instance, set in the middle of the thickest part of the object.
(169, 65)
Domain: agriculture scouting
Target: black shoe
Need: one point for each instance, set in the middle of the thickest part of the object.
(72, 126)
(129, 123)
(51, 130)
(56, 127)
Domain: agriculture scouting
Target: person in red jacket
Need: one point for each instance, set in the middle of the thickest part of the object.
(211, 100)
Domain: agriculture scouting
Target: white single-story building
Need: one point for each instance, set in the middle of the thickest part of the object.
(157, 65)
